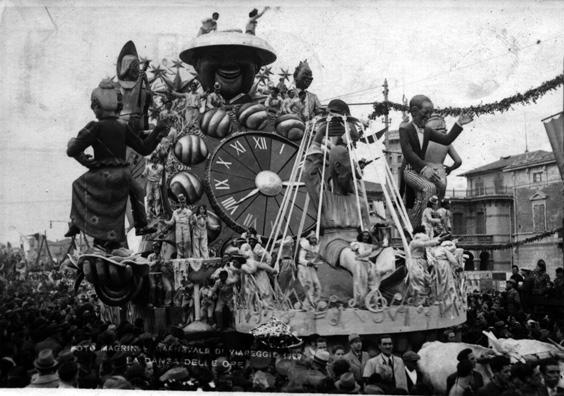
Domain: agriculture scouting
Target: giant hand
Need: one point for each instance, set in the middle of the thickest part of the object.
(117, 280)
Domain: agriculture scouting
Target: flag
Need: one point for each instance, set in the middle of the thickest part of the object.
(375, 136)
(555, 131)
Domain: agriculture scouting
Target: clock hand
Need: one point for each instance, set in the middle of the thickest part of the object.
(249, 195)
(289, 184)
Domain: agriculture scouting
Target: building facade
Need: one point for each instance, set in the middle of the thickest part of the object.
(514, 198)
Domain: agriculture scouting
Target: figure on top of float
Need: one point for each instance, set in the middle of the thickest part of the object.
(418, 175)
(200, 232)
(419, 277)
(274, 102)
(446, 260)
(192, 104)
(437, 153)
(308, 260)
(339, 206)
(154, 174)
(209, 24)
(181, 219)
(254, 15)
(108, 183)
(303, 77)
(430, 219)
(215, 99)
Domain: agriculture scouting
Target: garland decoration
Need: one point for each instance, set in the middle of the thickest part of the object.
(505, 246)
(532, 95)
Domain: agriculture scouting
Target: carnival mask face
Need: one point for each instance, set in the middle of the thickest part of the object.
(423, 113)
(341, 171)
(437, 123)
(234, 68)
(129, 68)
(303, 76)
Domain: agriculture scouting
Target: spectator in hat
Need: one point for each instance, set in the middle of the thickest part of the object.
(512, 298)
(541, 279)
(356, 357)
(477, 381)
(347, 384)
(501, 368)
(46, 367)
(68, 374)
(339, 367)
(117, 382)
(416, 384)
(320, 361)
(254, 15)
(374, 385)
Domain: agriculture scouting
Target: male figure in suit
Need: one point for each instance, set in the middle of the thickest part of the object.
(356, 357)
(385, 363)
(419, 175)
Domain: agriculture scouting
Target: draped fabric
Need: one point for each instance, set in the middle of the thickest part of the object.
(99, 199)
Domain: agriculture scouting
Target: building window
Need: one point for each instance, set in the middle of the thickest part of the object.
(458, 226)
(479, 187)
(539, 217)
(480, 223)
(537, 177)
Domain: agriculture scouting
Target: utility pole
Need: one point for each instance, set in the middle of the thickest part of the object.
(387, 121)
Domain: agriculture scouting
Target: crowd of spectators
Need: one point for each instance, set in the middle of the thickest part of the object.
(52, 336)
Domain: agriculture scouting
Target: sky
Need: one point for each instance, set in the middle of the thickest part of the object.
(459, 53)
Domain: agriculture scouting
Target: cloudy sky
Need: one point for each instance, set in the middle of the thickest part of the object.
(53, 53)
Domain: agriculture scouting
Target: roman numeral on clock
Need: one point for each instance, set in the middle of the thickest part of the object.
(260, 143)
(227, 164)
(222, 184)
(250, 221)
(230, 205)
(239, 148)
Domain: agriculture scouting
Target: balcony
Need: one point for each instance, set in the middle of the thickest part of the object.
(498, 191)
(475, 239)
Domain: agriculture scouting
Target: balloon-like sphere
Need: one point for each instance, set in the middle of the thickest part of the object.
(214, 226)
(191, 150)
(188, 184)
(216, 123)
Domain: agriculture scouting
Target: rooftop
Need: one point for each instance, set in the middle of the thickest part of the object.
(511, 162)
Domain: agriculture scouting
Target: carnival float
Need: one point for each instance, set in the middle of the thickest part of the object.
(237, 203)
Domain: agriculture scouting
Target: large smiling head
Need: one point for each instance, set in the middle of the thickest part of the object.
(229, 58)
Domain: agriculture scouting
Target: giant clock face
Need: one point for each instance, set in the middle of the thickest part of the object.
(247, 177)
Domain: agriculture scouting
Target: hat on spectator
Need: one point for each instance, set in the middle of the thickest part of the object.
(353, 338)
(321, 357)
(347, 384)
(45, 360)
(175, 374)
(117, 382)
(411, 356)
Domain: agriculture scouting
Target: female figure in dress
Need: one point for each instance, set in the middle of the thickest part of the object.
(200, 232)
(419, 277)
